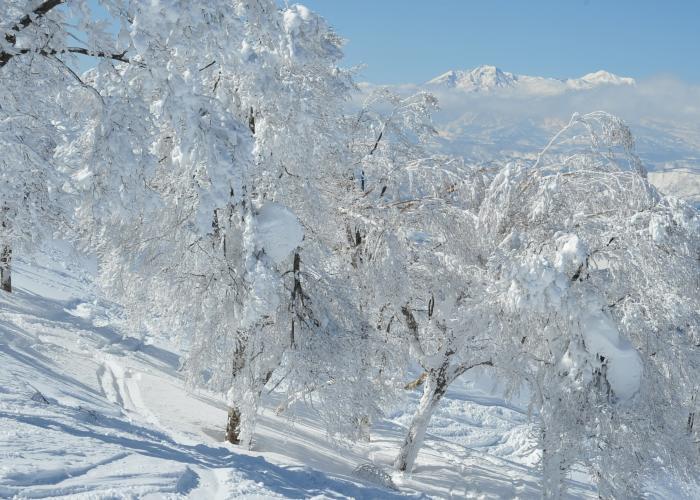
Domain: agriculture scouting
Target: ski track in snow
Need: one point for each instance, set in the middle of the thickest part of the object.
(88, 413)
(109, 384)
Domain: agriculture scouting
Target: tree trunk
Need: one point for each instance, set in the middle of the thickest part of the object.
(235, 432)
(5, 262)
(554, 468)
(363, 426)
(233, 426)
(434, 388)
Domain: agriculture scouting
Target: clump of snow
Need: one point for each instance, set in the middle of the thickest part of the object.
(83, 310)
(294, 17)
(658, 230)
(624, 366)
(536, 284)
(307, 32)
(571, 255)
(278, 231)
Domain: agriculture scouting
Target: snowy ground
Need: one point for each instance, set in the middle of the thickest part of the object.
(87, 412)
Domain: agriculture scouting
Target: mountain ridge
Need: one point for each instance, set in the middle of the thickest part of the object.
(488, 78)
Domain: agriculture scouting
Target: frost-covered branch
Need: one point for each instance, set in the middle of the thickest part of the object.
(11, 37)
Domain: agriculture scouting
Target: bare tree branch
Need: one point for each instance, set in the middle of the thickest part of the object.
(73, 50)
(458, 370)
(26, 20)
(29, 19)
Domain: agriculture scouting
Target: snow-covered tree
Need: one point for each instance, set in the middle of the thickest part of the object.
(40, 94)
(191, 215)
(413, 217)
(29, 179)
(204, 209)
(572, 276)
(595, 279)
(210, 162)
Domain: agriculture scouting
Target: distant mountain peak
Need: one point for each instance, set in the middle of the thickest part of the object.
(478, 79)
(601, 77)
(489, 78)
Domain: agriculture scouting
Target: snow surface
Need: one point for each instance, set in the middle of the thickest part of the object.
(89, 412)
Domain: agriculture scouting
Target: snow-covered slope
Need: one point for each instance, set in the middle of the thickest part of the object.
(89, 412)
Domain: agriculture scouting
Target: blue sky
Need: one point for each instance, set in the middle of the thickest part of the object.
(413, 41)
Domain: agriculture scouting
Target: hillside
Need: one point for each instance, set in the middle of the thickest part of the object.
(88, 411)
(230, 270)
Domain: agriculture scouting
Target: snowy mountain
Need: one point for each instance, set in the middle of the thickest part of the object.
(481, 79)
(492, 79)
(598, 78)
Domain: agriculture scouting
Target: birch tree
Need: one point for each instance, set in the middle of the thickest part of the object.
(412, 215)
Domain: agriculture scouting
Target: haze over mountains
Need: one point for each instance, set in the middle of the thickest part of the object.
(489, 115)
